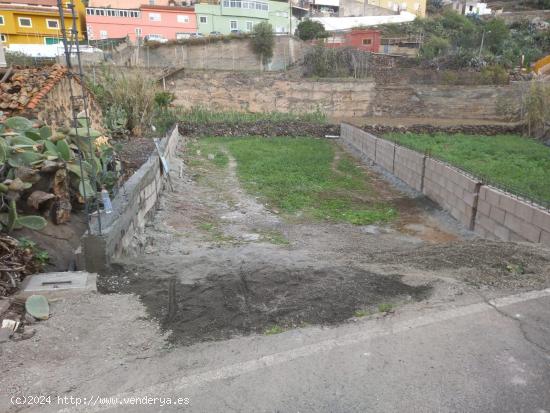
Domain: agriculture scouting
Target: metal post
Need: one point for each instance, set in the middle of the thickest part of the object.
(67, 46)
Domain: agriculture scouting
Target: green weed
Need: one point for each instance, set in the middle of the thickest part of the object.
(385, 307)
(518, 164)
(276, 329)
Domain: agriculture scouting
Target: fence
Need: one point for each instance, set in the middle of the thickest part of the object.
(486, 209)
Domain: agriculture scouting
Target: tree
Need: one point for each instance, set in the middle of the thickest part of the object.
(263, 41)
(496, 33)
(309, 30)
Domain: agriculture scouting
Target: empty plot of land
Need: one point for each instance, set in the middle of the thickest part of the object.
(262, 235)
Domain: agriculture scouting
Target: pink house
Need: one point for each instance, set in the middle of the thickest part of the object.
(168, 22)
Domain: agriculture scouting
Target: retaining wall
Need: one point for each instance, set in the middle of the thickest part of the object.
(132, 207)
(490, 212)
(344, 98)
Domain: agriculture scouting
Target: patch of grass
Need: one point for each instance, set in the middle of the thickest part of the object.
(518, 164)
(206, 226)
(215, 233)
(275, 237)
(385, 307)
(361, 313)
(297, 174)
(202, 151)
(276, 329)
(203, 116)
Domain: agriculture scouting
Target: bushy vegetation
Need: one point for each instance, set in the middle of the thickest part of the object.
(521, 165)
(310, 30)
(132, 102)
(537, 110)
(263, 41)
(336, 62)
(199, 115)
(452, 40)
(224, 38)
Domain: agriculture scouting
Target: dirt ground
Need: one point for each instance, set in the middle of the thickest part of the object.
(217, 263)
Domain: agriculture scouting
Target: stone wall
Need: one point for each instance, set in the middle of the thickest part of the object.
(343, 98)
(236, 54)
(486, 210)
(132, 206)
(55, 110)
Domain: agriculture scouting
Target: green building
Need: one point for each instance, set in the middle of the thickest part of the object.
(225, 16)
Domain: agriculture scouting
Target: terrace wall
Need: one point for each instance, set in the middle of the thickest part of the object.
(488, 211)
(337, 98)
(132, 206)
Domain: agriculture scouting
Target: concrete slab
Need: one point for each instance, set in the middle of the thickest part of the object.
(58, 284)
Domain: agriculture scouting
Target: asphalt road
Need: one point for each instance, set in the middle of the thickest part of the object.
(479, 357)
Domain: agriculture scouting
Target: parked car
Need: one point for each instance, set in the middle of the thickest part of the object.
(195, 35)
(237, 32)
(216, 33)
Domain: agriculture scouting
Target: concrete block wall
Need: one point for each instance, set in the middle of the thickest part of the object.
(488, 211)
(452, 190)
(132, 207)
(385, 154)
(501, 216)
(409, 166)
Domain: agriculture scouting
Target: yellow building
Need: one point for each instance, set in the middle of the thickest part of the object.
(417, 7)
(37, 21)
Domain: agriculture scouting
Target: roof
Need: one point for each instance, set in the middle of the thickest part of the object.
(49, 3)
(344, 23)
(26, 87)
(166, 8)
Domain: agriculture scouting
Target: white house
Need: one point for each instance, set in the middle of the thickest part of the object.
(471, 8)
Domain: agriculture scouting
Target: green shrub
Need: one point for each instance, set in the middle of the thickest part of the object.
(434, 47)
(496, 75)
(310, 30)
(263, 41)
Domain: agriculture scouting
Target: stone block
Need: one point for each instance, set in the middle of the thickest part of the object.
(483, 207)
(502, 233)
(541, 219)
(497, 214)
(524, 229)
(508, 203)
(545, 238)
(58, 284)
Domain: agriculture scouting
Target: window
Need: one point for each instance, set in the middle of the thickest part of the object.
(25, 22)
(3, 38)
(367, 42)
(183, 18)
(203, 19)
(233, 25)
(1, 20)
(51, 40)
(52, 24)
(249, 26)
(138, 31)
(151, 2)
(154, 17)
(103, 34)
